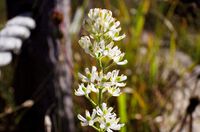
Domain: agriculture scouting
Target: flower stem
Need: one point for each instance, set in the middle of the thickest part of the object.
(109, 66)
(96, 128)
(100, 89)
(91, 101)
(100, 96)
(100, 63)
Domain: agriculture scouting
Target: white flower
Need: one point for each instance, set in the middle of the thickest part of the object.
(89, 119)
(102, 49)
(114, 91)
(111, 123)
(82, 90)
(104, 111)
(107, 118)
(86, 44)
(103, 31)
(90, 76)
(93, 74)
(101, 23)
(117, 80)
(99, 48)
(110, 81)
(103, 77)
(93, 88)
(116, 55)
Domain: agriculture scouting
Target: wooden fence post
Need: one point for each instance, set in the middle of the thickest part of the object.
(44, 68)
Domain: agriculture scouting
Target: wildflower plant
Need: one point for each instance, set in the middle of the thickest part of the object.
(104, 31)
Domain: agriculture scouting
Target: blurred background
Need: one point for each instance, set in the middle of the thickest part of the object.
(162, 46)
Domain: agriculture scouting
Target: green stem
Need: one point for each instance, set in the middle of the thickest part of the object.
(100, 64)
(91, 101)
(97, 129)
(100, 96)
(100, 89)
(109, 66)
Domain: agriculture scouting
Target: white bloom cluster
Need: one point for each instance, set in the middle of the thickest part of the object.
(97, 80)
(102, 49)
(104, 30)
(101, 23)
(104, 116)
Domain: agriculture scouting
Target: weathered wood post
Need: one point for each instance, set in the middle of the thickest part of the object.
(64, 69)
(44, 68)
